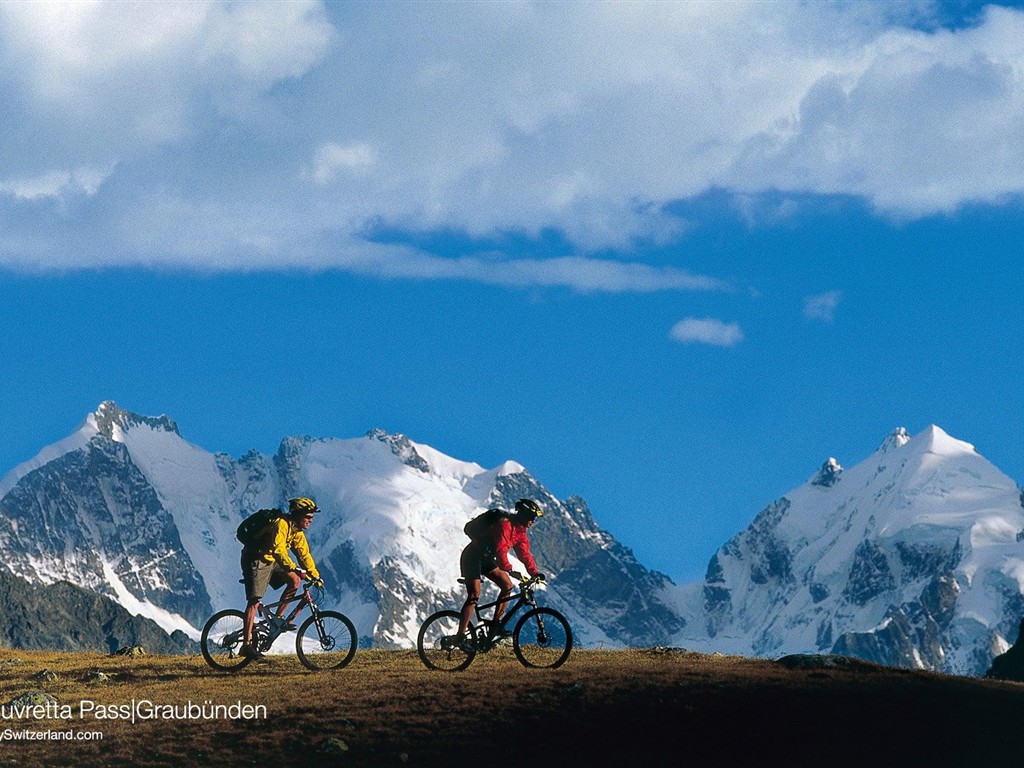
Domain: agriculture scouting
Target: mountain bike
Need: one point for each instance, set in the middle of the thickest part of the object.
(541, 638)
(326, 639)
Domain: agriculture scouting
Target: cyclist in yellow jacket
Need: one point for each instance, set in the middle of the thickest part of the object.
(267, 562)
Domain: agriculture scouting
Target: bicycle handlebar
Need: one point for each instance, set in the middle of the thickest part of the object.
(524, 582)
(531, 582)
(316, 589)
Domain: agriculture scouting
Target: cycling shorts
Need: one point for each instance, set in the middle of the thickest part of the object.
(475, 562)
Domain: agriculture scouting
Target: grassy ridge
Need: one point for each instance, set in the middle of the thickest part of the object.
(641, 707)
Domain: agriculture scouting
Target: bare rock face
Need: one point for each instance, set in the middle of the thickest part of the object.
(1010, 665)
(65, 617)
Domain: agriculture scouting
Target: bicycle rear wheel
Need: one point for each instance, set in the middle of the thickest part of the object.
(542, 638)
(438, 644)
(221, 641)
(326, 640)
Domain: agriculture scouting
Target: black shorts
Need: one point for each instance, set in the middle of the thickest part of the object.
(475, 562)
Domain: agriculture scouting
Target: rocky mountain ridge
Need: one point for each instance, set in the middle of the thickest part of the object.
(64, 617)
(127, 508)
(913, 557)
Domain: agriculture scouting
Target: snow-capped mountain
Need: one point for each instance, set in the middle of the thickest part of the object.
(126, 507)
(913, 557)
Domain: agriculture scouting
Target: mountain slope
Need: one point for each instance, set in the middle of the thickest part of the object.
(68, 618)
(912, 558)
(129, 509)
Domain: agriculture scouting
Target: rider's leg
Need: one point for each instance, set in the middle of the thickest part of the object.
(504, 583)
(250, 619)
(469, 567)
(469, 607)
(292, 582)
(256, 577)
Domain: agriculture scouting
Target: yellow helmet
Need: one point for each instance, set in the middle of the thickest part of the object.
(302, 506)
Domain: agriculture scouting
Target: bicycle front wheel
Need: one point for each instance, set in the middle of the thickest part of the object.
(438, 644)
(221, 641)
(542, 638)
(326, 640)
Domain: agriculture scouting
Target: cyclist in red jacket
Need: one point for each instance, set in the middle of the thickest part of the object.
(487, 555)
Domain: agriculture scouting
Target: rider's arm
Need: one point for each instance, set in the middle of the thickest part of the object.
(510, 538)
(522, 548)
(301, 549)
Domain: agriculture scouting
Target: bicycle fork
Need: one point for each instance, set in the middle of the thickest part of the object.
(326, 641)
(542, 636)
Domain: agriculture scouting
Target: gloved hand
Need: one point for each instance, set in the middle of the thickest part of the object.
(541, 578)
(517, 575)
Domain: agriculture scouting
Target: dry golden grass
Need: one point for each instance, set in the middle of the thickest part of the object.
(641, 707)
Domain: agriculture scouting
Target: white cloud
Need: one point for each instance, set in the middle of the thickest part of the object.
(580, 274)
(716, 333)
(56, 183)
(298, 126)
(822, 306)
(333, 159)
(916, 123)
(122, 76)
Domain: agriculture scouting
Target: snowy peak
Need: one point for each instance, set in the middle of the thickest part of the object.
(402, 447)
(935, 440)
(509, 468)
(107, 421)
(431, 461)
(913, 556)
(828, 475)
(896, 439)
(111, 421)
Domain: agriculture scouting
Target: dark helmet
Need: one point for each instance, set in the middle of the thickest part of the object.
(302, 506)
(528, 509)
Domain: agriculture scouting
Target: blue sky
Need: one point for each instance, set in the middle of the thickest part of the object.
(669, 256)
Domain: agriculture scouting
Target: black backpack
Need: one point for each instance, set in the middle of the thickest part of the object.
(255, 525)
(478, 528)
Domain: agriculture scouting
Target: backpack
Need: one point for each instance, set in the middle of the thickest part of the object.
(255, 525)
(478, 528)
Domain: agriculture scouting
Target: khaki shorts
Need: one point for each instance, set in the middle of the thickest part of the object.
(258, 574)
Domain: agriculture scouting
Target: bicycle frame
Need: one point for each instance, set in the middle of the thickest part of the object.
(266, 610)
(542, 637)
(268, 613)
(524, 597)
(325, 640)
